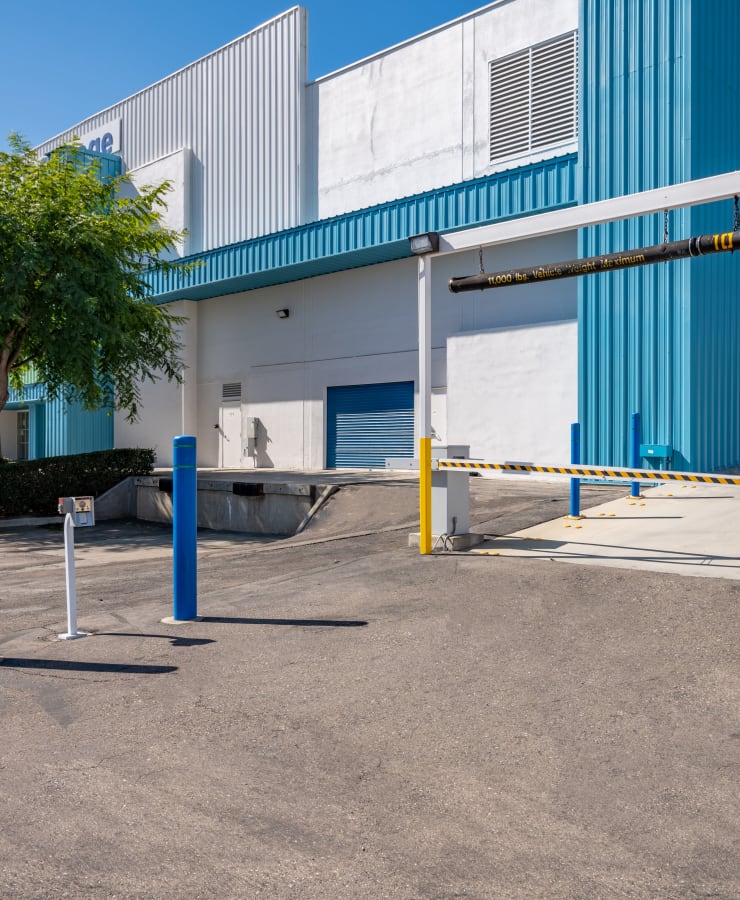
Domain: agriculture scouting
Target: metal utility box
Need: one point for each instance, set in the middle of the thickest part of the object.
(450, 493)
(82, 510)
(656, 451)
(251, 430)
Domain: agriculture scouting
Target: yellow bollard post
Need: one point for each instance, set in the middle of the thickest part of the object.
(425, 496)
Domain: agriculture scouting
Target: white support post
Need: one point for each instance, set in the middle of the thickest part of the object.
(425, 346)
(425, 404)
(673, 196)
(69, 559)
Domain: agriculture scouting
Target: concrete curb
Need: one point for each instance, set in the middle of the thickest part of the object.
(30, 522)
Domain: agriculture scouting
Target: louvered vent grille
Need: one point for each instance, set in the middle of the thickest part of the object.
(534, 98)
(231, 391)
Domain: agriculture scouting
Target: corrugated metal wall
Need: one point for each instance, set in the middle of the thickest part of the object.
(88, 430)
(656, 340)
(714, 336)
(241, 111)
(58, 429)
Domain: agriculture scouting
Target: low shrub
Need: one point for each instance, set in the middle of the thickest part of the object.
(32, 487)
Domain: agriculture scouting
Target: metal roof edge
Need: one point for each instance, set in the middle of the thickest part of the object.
(372, 235)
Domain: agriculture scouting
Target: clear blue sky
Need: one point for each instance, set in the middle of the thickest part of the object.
(62, 62)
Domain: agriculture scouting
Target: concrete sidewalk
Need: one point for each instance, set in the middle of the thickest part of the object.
(674, 527)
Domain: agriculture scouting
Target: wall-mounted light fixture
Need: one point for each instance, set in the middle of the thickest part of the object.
(282, 313)
(424, 243)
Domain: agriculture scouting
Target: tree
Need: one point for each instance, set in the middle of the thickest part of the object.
(76, 307)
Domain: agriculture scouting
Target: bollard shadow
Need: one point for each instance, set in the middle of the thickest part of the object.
(303, 623)
(653, 497)
(67, 665)
(609, 517)
(570, 549)
(175, 640)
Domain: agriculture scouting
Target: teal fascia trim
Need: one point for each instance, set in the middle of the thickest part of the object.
(30, 393)
(374, 235)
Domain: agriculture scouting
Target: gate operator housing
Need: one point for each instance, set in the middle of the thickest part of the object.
(82, 510)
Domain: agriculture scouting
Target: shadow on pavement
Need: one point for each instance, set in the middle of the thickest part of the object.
(325, 623)
(568, 548)
(175, 640)
(72, 666)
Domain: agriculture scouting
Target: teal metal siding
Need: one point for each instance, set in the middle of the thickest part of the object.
(713, 344)
(714, 336)
(58, 428)
(657, 340)
(72, 429)
(367, 423)
(88, 430)
(374, 235)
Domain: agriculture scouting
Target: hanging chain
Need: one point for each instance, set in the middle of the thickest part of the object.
(480, 258)
(665, 226)
(736, 217)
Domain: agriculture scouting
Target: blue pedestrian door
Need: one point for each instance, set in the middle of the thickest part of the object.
(367, 423)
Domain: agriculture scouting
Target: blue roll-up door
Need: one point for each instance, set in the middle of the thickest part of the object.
(367, 423)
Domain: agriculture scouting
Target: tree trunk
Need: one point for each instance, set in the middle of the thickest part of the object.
(4, 394)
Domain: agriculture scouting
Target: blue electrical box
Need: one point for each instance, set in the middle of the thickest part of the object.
(656, 451)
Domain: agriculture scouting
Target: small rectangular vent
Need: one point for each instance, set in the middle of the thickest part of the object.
(231, 391)
(533, 98)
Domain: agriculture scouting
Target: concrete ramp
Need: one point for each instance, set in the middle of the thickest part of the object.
(354, 509)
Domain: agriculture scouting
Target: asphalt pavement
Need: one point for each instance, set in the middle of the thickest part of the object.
(350, 719)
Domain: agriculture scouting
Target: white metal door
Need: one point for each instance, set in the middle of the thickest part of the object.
(230, 436)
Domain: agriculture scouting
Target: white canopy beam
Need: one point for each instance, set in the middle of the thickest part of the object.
(674, 196)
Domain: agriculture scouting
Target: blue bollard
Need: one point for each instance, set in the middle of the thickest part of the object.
(185, 528)
(635, 451)
(575, 458)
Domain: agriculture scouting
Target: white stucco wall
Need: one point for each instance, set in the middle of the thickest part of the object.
(167, 409)
(512, 393)
(354, 327)
(176, 169)
(416, 117)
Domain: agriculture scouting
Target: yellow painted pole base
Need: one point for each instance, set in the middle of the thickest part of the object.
(425, 496)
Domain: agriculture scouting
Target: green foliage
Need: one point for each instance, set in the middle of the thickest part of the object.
(32, 487)
(75, 301)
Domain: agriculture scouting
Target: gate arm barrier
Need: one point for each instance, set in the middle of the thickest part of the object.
(591, 471)
(609, 262)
